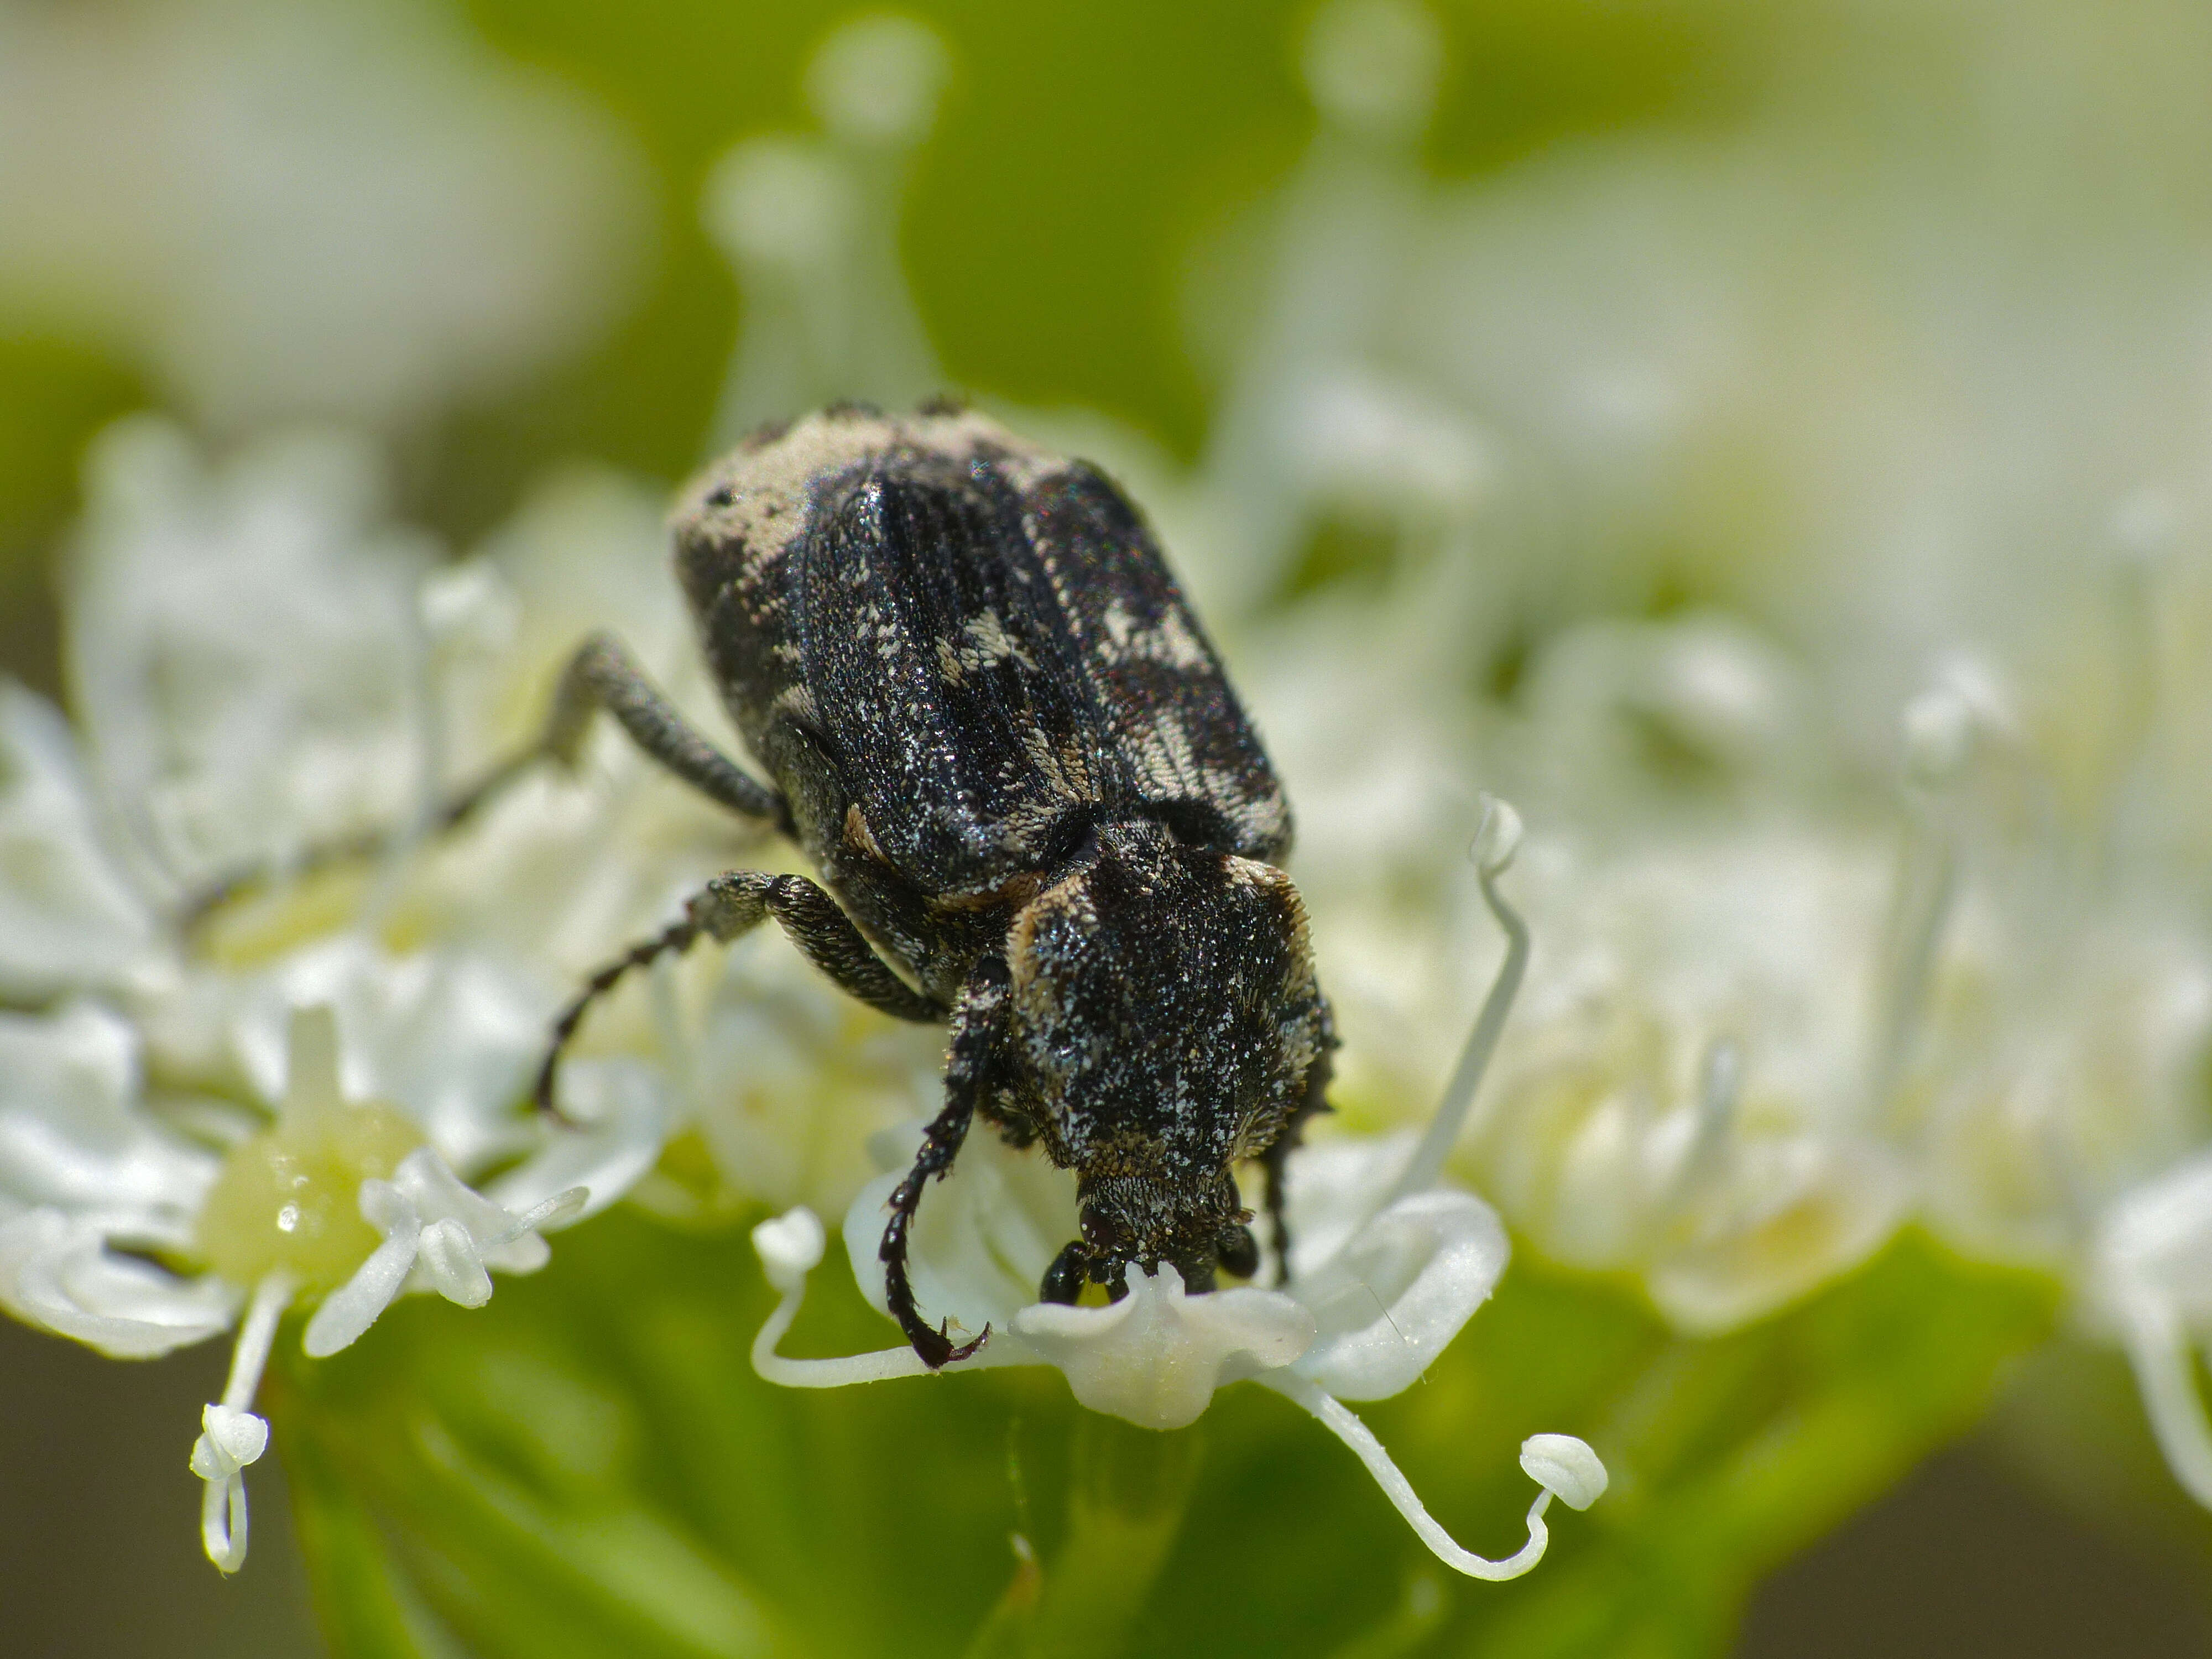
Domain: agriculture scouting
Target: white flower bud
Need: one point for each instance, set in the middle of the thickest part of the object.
(778, 203)
(1373, 65)
(2146, 523)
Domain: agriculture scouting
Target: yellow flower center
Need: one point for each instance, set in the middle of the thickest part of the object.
(290, 1197)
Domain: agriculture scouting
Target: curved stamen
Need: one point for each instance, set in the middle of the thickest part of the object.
(256, 1334)
(231, 1435)
(1941, 728)
(1719, 1090)
(1495, 842)
(1564, 1467)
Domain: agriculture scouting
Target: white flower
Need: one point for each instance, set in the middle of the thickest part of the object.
(1318, 418)
(84, 1166)
(2153, 1286)
(244, 664)
(1387, 1268)
(1692, 1093)
(120, 1231)
(1695, 1091)
(2062, 1122)
(2078, 1079)
(438, 1235)
(1807, 974)
(334, 1058)
(66, 919)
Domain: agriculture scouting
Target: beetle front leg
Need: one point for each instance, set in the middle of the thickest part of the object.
(602, 674)
(1276, 1159)
(978, 1019)
(1070, 1271)
(725, 909)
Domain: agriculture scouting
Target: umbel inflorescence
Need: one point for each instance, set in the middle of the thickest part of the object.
(1839, 925)
(158, 1217)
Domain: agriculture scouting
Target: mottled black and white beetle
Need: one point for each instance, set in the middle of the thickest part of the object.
(995, 727)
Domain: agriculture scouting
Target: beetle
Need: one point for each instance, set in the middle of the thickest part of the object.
(992, 723)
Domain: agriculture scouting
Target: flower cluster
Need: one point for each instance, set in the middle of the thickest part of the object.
(1870, 885)
(246, 1074)
(1864, 890)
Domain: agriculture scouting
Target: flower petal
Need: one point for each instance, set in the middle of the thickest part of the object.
(619, 1140)
(55, 1271)
(353, 1307)
(443, 1033)
(68, 916)
(1335, 1187)
(1156, 1357)
(71, 1130)
(1402, 1288)
(2155, 1284)
(983, 1237)
(2157, 1237)
(1795, 1213)
(272, 612)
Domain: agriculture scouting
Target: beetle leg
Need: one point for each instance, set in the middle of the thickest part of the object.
(825, 934)
(976, 1024)
(1276, 1159)
(604, 675)
(727, 909)
(1240, 1251)
(601, 675)
(1064, 1280)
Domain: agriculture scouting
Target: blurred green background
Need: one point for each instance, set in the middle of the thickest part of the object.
(1082, 152)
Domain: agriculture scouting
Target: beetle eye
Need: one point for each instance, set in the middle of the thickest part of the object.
(1239, 1252)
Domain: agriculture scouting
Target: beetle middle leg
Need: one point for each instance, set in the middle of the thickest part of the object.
(725, 909)
(601, 675)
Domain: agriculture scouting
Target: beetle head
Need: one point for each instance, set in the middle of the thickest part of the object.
(1165, 1023)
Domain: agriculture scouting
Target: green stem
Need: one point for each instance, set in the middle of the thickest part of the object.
(1129, 1489)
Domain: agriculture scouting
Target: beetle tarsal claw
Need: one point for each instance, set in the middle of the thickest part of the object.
(936, 1347)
